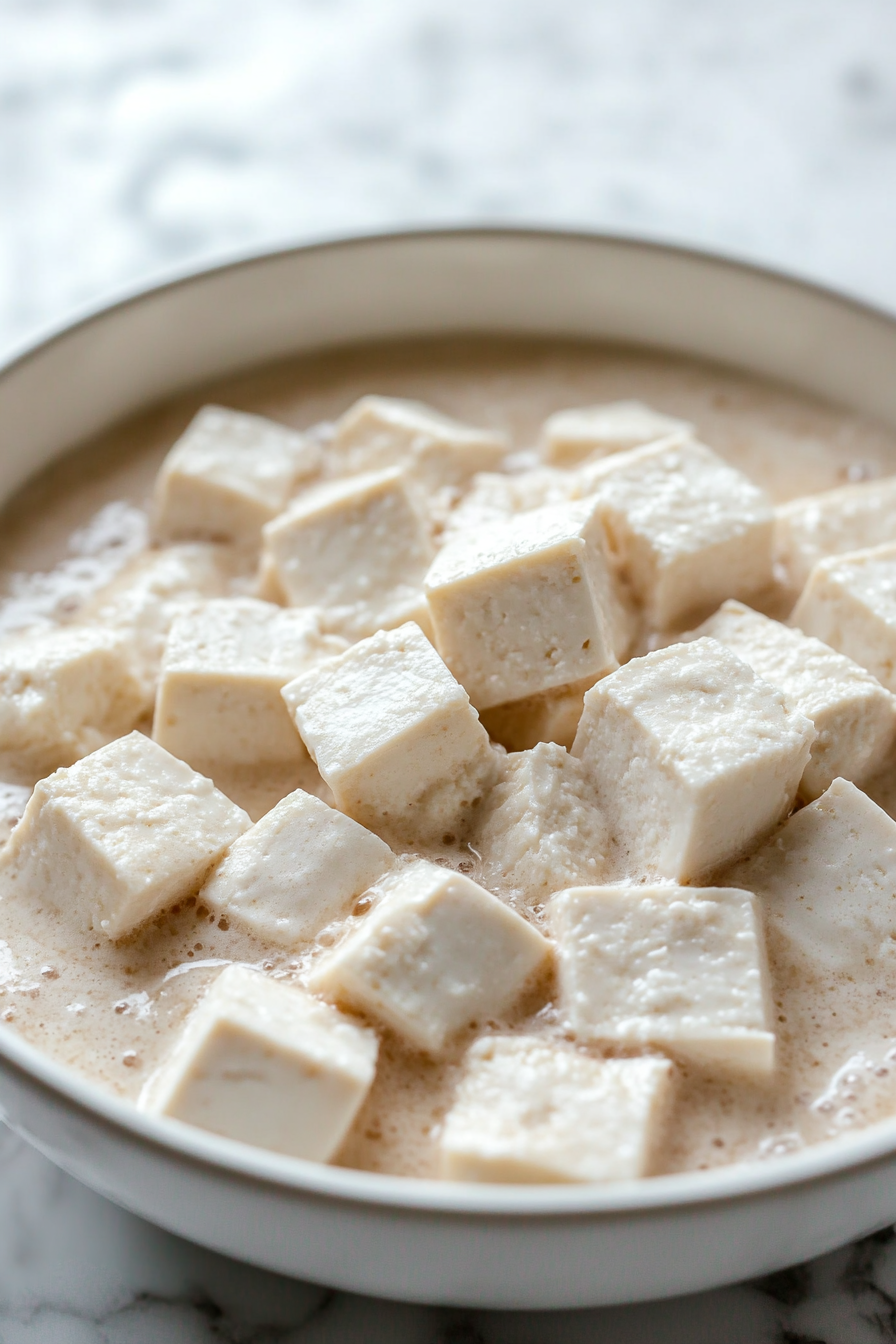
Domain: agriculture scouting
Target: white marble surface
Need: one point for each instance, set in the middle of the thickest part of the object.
(141, 136)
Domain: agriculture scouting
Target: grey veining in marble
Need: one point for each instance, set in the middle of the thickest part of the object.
(137, 136)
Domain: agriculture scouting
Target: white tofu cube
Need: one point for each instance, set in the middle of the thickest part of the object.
(394, 736)
(570, 436)
(834, 522)
(849, 603)
(496, 495)
(854, 717)
(63, 693)
(694, 759)
(525, 605)
(142, 601)
(438, 452)
(684, 529)
(119, 836)
(436, 954)
(678, 968)
(359, 549)
(529, 1110)
(228, 474)
(299, 868)
(225, 664)
(541, 828)
(550, 717)
(266, 1064)
(827, 880)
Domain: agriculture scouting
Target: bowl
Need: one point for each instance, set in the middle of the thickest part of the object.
(491, 1246)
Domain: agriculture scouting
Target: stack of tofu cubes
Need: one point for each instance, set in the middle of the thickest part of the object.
(418, 609)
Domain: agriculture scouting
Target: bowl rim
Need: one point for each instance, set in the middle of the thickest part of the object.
(745, 1180)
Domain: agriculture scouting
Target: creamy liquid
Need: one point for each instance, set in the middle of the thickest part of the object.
(112, 1011)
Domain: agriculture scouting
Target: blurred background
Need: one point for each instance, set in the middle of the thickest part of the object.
(141, 137)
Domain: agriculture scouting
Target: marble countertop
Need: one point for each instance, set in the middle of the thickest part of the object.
(138, 137)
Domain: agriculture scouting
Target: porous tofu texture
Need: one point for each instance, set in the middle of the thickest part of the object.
(63, 693)
(357, 548)
(854, 716)
(438, 452)
(569, 436)
(143, 599)
(394, 736)
(827, 880)
(298, 869)
(684, 529)
(850, 604)
(693, 758)
(529, 1110)
(678, 968)
(832, 523)
(541, 828)
(264, 1063)
(227, 475)
(13, 801)
(525, 605)
(436, 954)
(119, 836)
(224, 666)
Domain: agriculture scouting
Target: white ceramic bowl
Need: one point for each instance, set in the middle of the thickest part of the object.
(491, 1246)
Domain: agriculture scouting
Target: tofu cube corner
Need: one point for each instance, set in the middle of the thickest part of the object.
(849, 603)
(569, 436)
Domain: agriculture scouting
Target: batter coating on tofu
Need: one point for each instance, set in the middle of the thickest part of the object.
(429, 776)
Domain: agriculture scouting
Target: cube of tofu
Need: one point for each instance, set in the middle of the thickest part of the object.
(437, 451)
(525, 605)
(570, 436)
(225, 664)
(266, 1064)
(678, 968)
(834, 522)
(119, 836)
(541, 828)
(849, 603)
(854, 717)
(493, 496)
(694, 759)
(827, 880)
(684, 529)
(142, 601)
(550, 717)
(529, 1110)
(229, 474)
(299, 868)
(357, 548)
(63, 693)
(436, 954)
(394, 736)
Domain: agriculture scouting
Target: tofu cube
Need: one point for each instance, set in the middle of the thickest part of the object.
(298, 869)
(229, 474)
(694, 759)
(677, 968)
(437, 451)
(119, 836)
(852, 518)
(849, 603)
(63, 693)
(359, 549)
(436, 954)
(550, 717)
(684, 529)
(827, 880)
(541, 828)
(854, 717)
(142, 601)
(570, 436)
(225, 664)
(525, 605)
(493, 496)
(266, 1064)
(394, 736)
(529, 1110)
